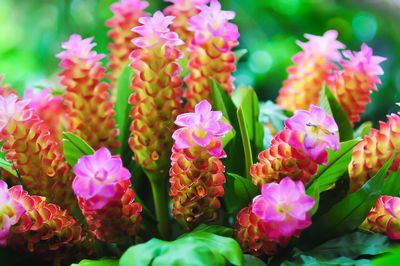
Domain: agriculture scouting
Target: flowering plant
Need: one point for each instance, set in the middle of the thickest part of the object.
(142, 163)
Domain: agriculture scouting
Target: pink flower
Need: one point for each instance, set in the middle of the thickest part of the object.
(213, 22)
(78, 50)
(12, 108)
(365, 62)
(100, 178)
(283, 209)
(325, 46)
(202, 128)
(10, 212)
(155, 32)
(313, 132)
(186, 5)
(125, 7)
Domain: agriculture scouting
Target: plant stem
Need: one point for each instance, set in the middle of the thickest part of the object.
(160, 197)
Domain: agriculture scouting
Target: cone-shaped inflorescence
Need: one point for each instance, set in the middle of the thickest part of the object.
(278, 214)
(89, 107)
(30, 224)
(126, 16)
(374, 151)
(311, 70)
(210, 52)
(157, 90)
(385, 218)
(49, 108)
(102, 186)
(34, 152)
(183, 10)
(197, 174)
(298, 149)
(352, 86)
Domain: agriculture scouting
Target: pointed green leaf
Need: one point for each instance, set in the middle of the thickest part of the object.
(363, 130)
(329, 103)
(74, 148)
(248, 157)
(239, 54)
(100, 262)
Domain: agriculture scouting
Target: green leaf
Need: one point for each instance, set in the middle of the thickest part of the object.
(352, 246)
(391, 258)
(329, 103)
(6, 165)
(346, 215)
(391, 187)
(100, 262)
(241, 192)
(248, 156)
(249, 260)
(215, 229)
(239, 54)
(234, 149)
(122, 108)
(251, 114)
(363, 129)
(338, 162)
(74, 148)
(194, 248)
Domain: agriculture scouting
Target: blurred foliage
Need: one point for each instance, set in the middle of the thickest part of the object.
(32, 32)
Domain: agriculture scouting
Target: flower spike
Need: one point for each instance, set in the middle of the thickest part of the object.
(312, 69)
(35, 152)
(210, 52)
(157, 91)
(102, 187)
(88, 102)
(126, 16)
(197, 174)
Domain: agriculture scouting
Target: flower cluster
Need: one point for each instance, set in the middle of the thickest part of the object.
(374, 151)
(126, 16)
(384, 217)
(298, 149)
(34, 151)
(30, 223)
(88, 101)
(102, 187)
(197, 174)
(157, 90)
(278, 214)
(317, 64)
(210, 52)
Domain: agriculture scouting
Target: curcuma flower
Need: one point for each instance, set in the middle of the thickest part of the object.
(89, 107)
(49, 108)
(5, 88)
(157, 90)
(34, 152)
(197, 174)
(352, 86)
(31, 224)
(374, 151)
(210, 52)
(278, 214)
(298, 149)
(384, 218)
(126, 16)
(102, 186)
(313, 66)
(183, 10)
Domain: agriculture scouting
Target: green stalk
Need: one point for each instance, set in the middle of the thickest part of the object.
(160, 197)
(248, 157)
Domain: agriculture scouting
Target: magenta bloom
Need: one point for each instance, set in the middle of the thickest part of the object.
(213, 22)
(155, 32)
(313, 132)
(99, 178)
(325, 46)
(124, 7)
(364, 62)
(10, 212)
(284, 209)
(186, 5)
(12, 108)
(202, 128)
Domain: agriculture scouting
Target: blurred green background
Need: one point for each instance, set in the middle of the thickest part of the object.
(32, 31)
